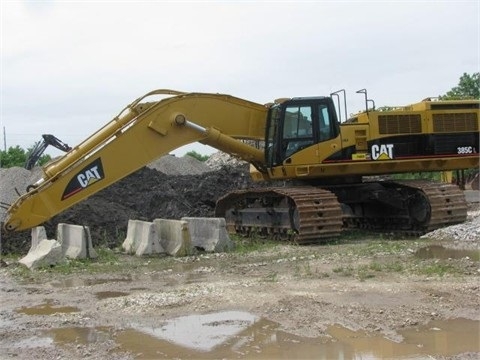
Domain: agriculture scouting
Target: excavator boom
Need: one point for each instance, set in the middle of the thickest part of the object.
(141, 133)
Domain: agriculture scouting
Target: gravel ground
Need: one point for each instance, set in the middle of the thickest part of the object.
(462, 236)
(14, 182)
(381, 295)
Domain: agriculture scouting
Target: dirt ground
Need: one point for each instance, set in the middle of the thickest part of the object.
(371, 286)
(362, 282)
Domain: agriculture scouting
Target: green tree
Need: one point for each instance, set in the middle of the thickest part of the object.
(197, 156)
(14, 156)
(44, 159)
(468, 88)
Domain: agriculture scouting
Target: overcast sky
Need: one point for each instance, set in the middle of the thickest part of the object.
(68, 67)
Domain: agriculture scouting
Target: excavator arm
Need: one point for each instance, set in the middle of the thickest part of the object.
(141, 133)
(40, 148)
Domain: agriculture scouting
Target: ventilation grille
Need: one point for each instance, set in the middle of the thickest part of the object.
(454, 122)
(399, 124)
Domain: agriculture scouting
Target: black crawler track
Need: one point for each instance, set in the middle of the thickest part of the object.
(311, 214)
(447, 204)
(301, 214)
(411, 207)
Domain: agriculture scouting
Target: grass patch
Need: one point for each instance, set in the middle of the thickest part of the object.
(344, 271)
(245, 245)
(436, 269)
(271, 277)
(107, 255)
(106, 261)
(375, 266)
(391, 247)
(68, 267)
(303, 270)
(396, 266)
(364, 272)
(368, 271)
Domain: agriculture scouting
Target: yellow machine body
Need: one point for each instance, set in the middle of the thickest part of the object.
(303, 141)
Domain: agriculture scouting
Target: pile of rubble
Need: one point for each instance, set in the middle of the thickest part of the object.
(465, 236)
(14, 182)
(186, 165)
(219, 160)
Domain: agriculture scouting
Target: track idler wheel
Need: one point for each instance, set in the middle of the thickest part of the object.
(419, 209)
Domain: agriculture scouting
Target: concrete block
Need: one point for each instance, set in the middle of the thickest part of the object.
(174, 236)
(130, 244)
(209, 234)
(142, 239)
(38, 234)
(47, 252)
(76, 241)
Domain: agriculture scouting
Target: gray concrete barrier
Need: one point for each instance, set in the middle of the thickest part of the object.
(38, 234)
(76, 241)
(174, 236)
(45, 253)
(142, 239)
(209, 234)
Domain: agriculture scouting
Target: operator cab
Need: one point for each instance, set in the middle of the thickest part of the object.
(296, 124)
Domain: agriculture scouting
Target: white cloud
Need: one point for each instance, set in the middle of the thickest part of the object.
(69, 67)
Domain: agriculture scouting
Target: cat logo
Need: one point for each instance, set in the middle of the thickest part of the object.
(382, 152)
(86, 177)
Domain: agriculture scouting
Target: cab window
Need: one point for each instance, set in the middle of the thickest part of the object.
(297, 129)
(298, 122)
(326, 131)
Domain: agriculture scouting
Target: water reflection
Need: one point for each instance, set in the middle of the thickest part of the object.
(241, 335)
(440, 252)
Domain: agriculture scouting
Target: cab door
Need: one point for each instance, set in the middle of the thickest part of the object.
(310, 131)
(329, 140)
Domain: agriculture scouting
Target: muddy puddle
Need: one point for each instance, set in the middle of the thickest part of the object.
(100, 295)
(241, 335)
(158, 277)
(47, 308)
(440, 252)
(78, 282)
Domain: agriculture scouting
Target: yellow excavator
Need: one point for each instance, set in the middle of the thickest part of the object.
(328, 171)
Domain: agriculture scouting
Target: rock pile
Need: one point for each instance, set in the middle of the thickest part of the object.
(220, 159)
(462, 236)
(186, 165)
(13, 183)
